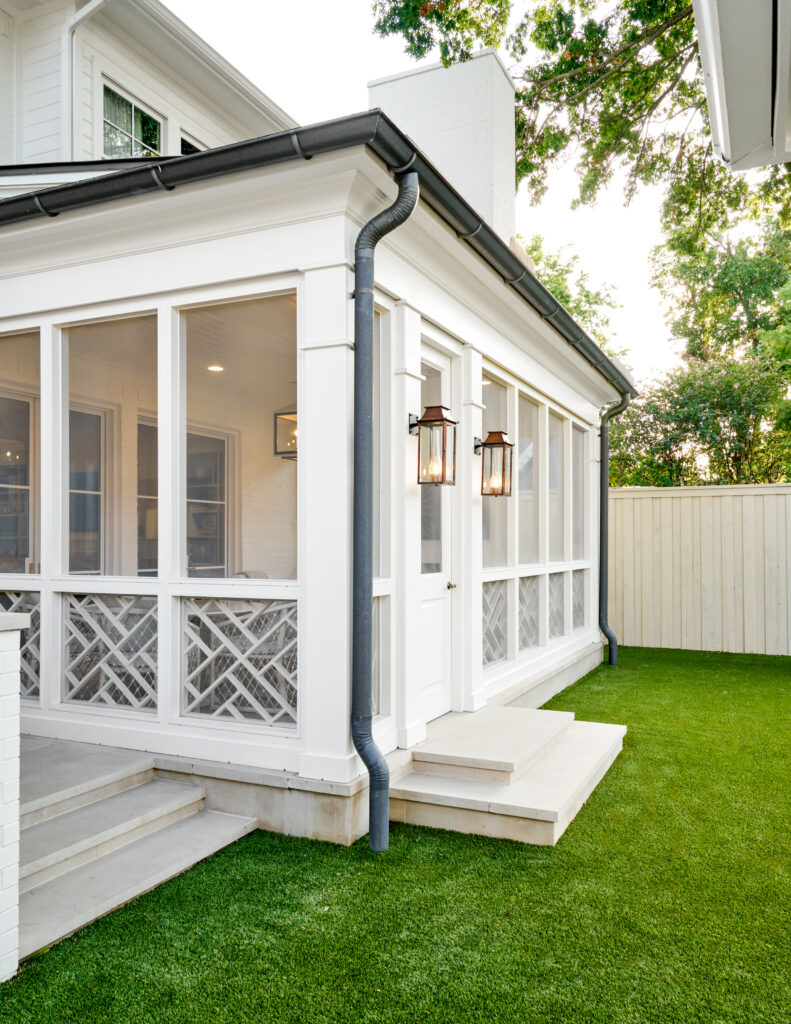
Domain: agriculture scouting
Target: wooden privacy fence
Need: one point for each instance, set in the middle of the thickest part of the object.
(701, 568)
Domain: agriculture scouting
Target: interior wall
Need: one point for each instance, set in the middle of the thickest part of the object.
(255, 342)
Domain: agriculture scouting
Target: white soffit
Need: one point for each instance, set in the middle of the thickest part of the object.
(737, 49)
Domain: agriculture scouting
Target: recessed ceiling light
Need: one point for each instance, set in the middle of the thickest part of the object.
(214, 368)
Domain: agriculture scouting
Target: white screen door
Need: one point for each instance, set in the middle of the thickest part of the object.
(436, 570)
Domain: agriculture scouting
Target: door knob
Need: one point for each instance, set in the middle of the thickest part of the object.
(451, 586)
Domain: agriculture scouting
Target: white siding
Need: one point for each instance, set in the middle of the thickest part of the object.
(103, 55)
(39, 51)
(701, 568)
(6, 88)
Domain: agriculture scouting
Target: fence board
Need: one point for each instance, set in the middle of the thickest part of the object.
(702, 568)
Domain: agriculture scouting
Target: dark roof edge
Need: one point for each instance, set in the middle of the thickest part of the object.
(372, 129)
(72, 166)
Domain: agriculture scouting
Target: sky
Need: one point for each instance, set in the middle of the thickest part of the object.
(314, 58)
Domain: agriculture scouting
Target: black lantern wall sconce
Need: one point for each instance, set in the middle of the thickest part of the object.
(436, 457)
(498, 464)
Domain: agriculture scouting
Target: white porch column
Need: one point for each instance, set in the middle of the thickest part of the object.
(326, 367)
(472, 528)
(410, 724)
(10, 626)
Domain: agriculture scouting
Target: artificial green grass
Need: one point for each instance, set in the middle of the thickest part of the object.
(668, 899)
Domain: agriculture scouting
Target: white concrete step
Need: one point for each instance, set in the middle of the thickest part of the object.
(536, 808)
(60, 906)
(62, 775)
(60, 844)
(496, 744)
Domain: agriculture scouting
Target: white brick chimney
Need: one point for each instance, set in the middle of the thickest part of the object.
(462, 118)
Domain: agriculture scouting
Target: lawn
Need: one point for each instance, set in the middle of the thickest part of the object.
(668, 899)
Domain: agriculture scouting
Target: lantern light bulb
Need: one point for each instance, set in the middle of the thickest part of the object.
(214, 368)
(435, 468)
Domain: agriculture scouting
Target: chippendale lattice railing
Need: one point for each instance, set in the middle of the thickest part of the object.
(495, 609)
(240, 659)
(528, 612)
(557, 601)
(111, 650)
(30, 645)
(578, 598)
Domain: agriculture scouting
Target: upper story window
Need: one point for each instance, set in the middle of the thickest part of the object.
(188, 147)
(128, 129)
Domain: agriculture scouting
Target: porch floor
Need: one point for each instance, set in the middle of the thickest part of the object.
(98, 829)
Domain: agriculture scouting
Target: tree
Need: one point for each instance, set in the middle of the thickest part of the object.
(561, 273)
(723, 420)
(722, 291)
(620, 83)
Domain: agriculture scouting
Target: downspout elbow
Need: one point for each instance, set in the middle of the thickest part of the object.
(604, 524)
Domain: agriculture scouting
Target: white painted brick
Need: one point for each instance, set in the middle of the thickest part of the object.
(9, 964)
(462, 117)
(9, 942)
(11, 832)
(9, 877)
(9, 748)
(9, 855)
(9, 640)
(9, 706)
(9, 920)
(9, 660)
(10, 789)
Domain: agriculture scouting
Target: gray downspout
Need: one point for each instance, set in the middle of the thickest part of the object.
(604, 525)
(362, 544)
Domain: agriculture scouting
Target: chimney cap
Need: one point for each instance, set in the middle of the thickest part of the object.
(488, 51)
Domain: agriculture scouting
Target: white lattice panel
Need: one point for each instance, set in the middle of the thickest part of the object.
(240, 660)
(495, 622)
(30, 642)
(111, 650)
(557, 601)
(528, 612)
(578, 598)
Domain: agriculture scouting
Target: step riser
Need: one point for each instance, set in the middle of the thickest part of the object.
(87, 796)
(123, 835)
(479, 823)
(498, 825)
(58, 908)
(463, 771)
(474, 773)
(585, 792)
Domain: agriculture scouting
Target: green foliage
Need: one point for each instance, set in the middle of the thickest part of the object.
(618, 84)
(561, 273)
(722, 420)
(456, 26)
(722, 291)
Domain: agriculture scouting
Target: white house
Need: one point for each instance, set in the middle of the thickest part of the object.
(213, 505)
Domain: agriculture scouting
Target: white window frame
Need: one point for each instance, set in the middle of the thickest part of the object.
(108, 83)
(33, 486)
(511, 573)
(107, 526)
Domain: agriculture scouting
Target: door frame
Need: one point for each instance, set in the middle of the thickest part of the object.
(449, 350)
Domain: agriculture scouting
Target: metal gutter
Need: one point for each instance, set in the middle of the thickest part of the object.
(75, 166)
(381, 136)
(362, 526)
